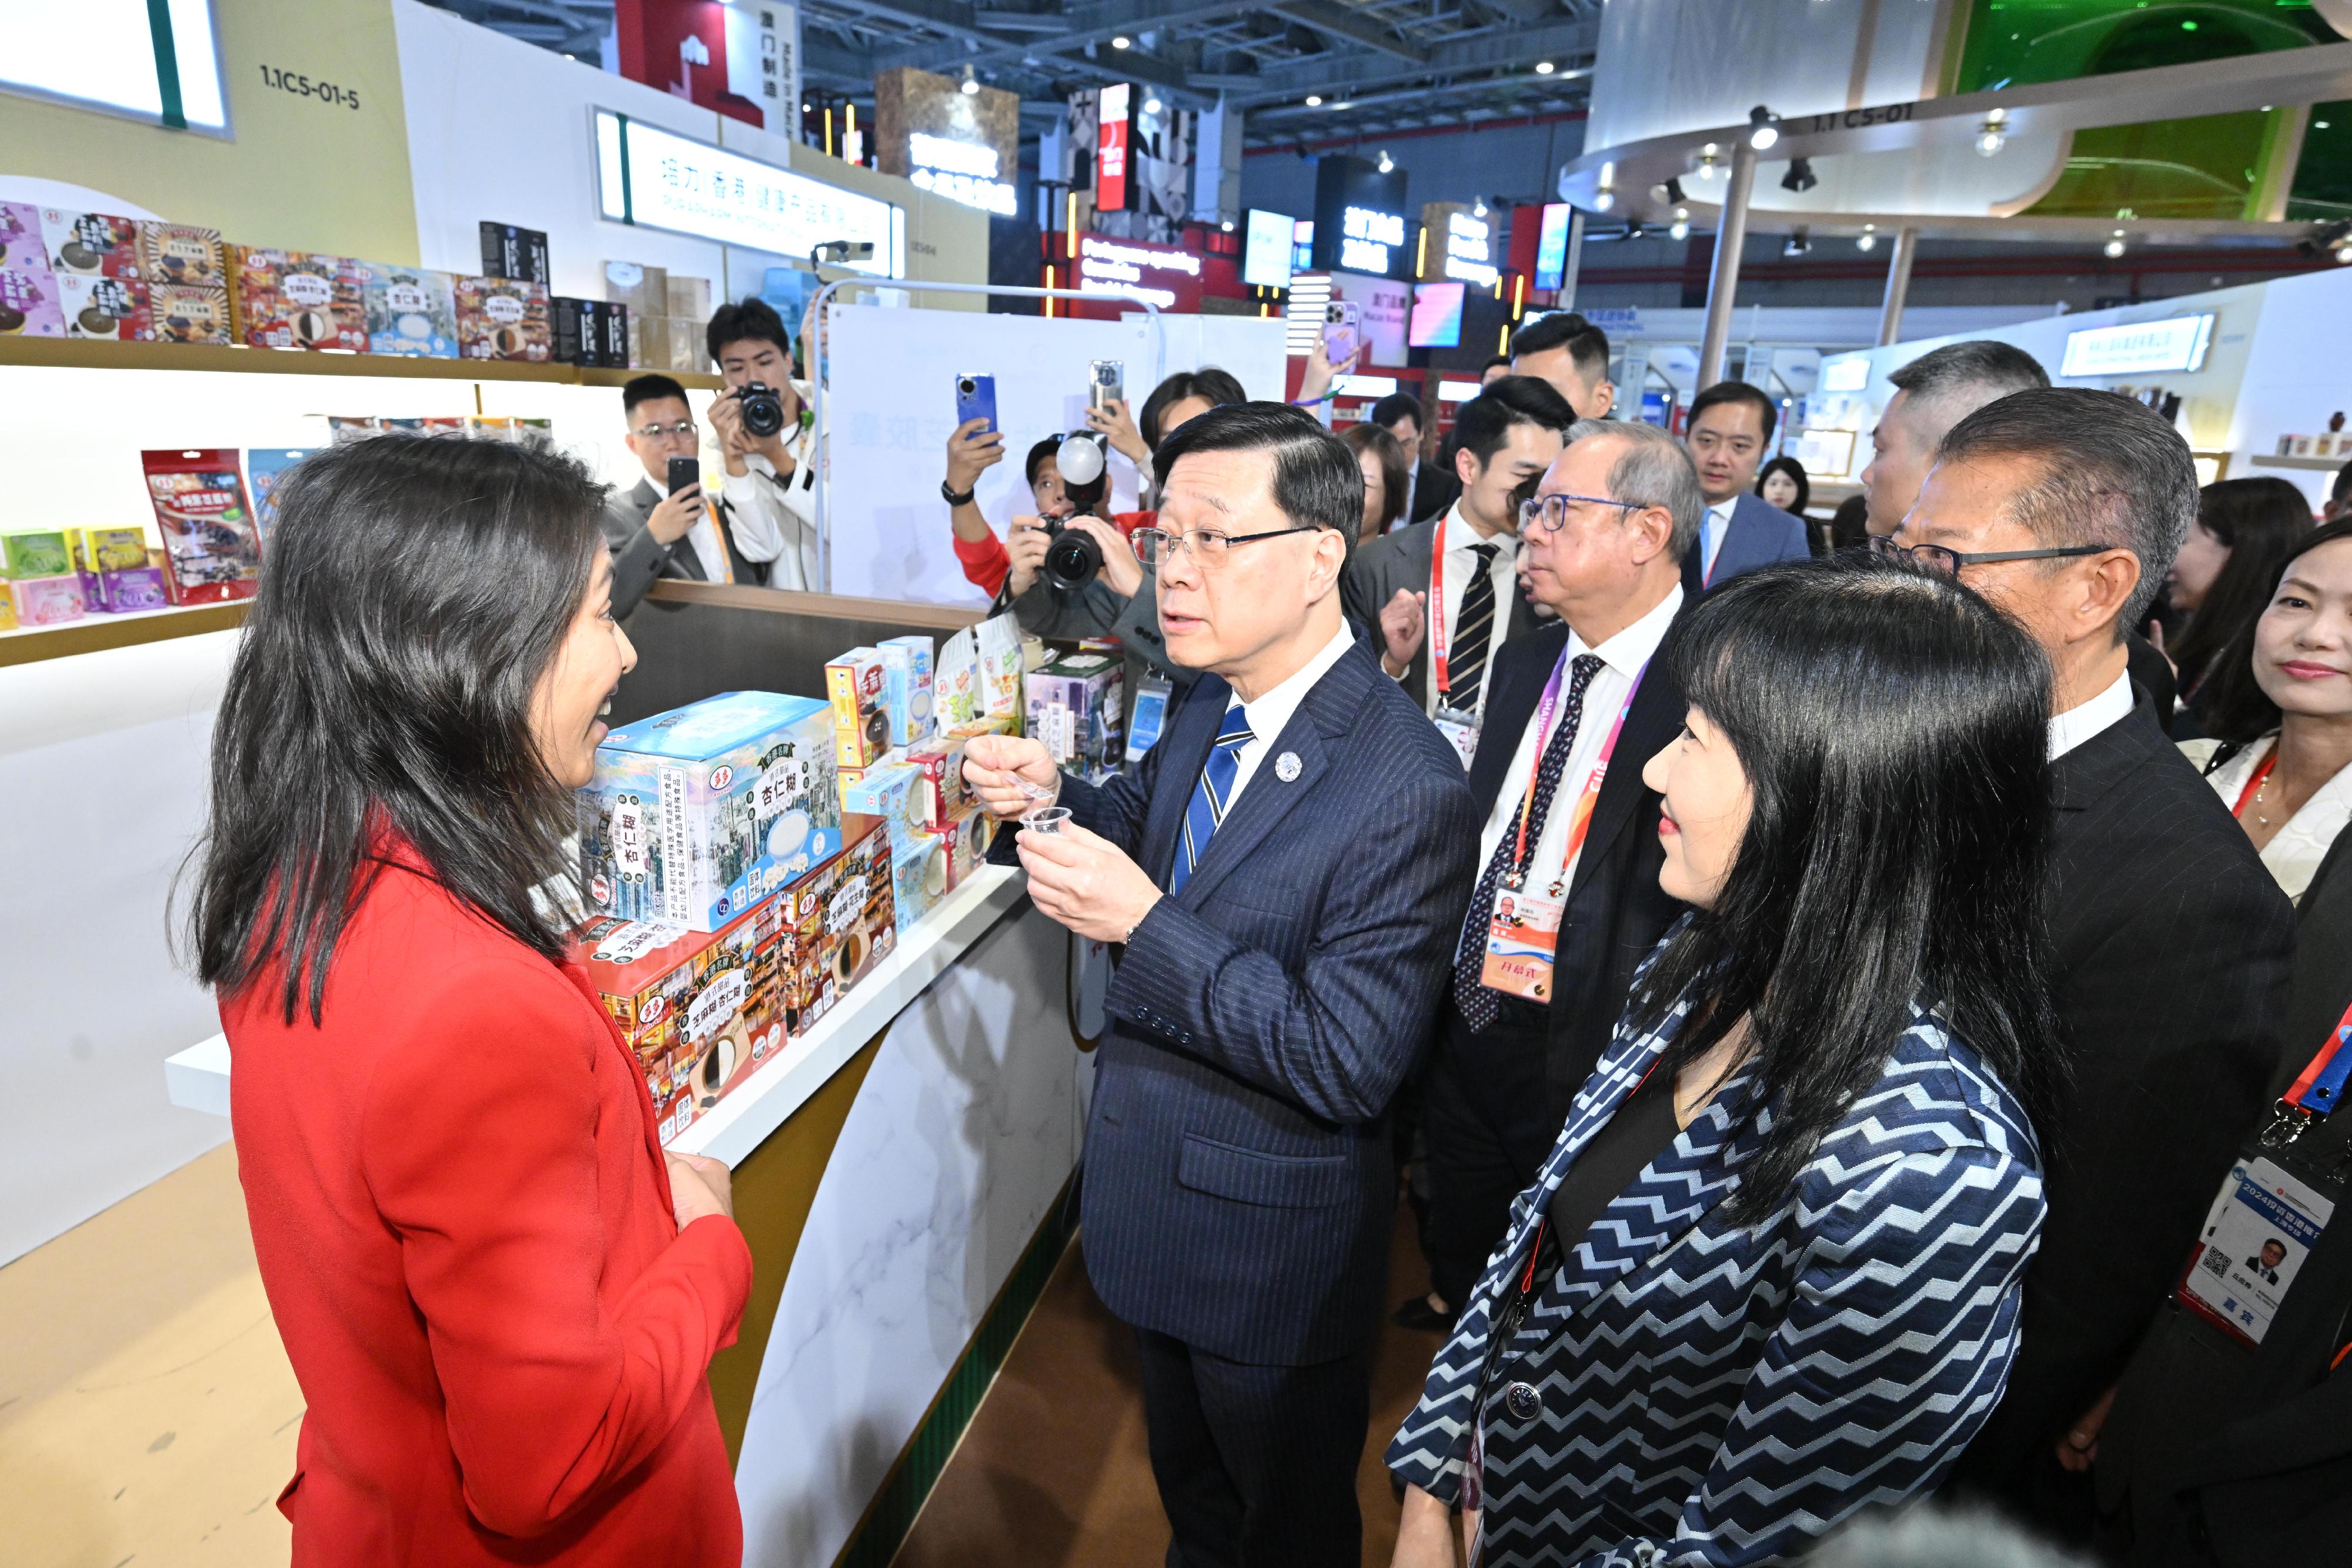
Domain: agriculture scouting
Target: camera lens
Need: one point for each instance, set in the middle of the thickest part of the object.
(1074, 558)
(966, 386)
(763, 411)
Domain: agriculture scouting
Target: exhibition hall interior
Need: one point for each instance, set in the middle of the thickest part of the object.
(1113, 782)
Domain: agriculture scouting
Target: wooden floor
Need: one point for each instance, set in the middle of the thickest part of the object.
(1053, 1469)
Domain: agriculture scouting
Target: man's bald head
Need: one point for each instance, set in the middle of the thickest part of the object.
(1933, 393)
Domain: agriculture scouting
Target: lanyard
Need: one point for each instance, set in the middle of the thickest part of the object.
(1438, 639)
(2317, 1091)
(1580, 822)
(2254, 783)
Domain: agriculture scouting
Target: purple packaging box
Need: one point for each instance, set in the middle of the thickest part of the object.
(131, 587)
(30, 301)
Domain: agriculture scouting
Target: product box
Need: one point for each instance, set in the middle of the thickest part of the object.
(897, 792)
(47, 601)
(110, 549)
(907, 688)
(177, 253)
(966, 838)
(999, 643)
(942, 795)
(89, 245)
(295, 299)
(861, 729)
(265, 467)
(503, 318)
(212, 547)
(110, 308)
(918, 874)
(688, 347)
(131, 587)
(689, 299)
(643, 290)
(700, 1010)
(840, 921)
(37, 552)
(7, 607)
(412, 311)
(698, 814)
(188, 313)
(613, 321)
(28, 289)
(1075, 709)
(111, 564)
(515, 253)
(578, 334)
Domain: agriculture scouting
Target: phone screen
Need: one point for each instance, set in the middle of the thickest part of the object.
(976, 399)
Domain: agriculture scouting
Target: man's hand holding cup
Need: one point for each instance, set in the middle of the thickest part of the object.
(1011, 776)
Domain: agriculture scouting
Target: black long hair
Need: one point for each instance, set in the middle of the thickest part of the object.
(1797, 475)
(2236, 708)
(2264, 522)
(1893, 727)
(413, 590)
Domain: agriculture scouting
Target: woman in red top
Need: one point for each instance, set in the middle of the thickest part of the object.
(500, 1297)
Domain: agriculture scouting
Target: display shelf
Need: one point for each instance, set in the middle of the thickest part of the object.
(2314, 464)
(76, 353)
(197, 1078)
(30, 645)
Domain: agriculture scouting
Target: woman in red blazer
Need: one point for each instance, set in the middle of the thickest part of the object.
(498, 1296)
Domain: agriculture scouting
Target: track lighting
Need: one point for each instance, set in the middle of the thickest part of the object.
(1799, 176)
(1800, 241)
(1763, 130)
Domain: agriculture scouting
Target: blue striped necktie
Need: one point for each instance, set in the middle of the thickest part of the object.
(1210, 798)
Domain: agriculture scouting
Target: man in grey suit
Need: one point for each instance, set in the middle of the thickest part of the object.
(1730, 430)
(655, 534)
(1504, 439)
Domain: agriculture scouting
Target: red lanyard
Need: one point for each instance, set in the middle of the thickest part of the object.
(1580, 823)
(1437, 637)
(2254, 783)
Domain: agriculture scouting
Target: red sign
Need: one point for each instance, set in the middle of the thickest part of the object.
(680, 48)
(1111, 144)
(1121, 270)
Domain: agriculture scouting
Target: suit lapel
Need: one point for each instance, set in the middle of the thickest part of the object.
(1656, 713)
(1414, 551)
(1186, 752)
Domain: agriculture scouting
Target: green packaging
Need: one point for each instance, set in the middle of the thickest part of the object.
(36, 553)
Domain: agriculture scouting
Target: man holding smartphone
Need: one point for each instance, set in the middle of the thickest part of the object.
(657, 527)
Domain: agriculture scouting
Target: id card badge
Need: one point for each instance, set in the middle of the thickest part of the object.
(1520, 942)
(2256, 1238)
(1460, 730)
(1152, 694)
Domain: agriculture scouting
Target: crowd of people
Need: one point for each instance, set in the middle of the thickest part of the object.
(1829, 1001)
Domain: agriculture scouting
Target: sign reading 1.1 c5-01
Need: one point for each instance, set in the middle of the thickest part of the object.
(300, 86)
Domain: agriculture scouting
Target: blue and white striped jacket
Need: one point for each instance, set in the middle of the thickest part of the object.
(1720, 1394)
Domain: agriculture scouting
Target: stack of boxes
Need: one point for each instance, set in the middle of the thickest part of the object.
(666, 316)
(1075, 710)
(42, 588)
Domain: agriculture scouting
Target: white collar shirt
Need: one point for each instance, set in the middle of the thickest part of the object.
(2080, 721)
(774, 516)
(708, 548)
(1267, 716)
(1460, 542)
(1717, 523)
(1622, 658)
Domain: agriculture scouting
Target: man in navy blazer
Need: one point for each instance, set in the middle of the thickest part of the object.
(1287, 868)
(1731, 429)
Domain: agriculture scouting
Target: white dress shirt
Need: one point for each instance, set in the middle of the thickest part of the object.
(704, 536)
(2080, 721)
(1622, 659)
(1268, 715)
(775, 517)
(1460, 540)
(1712, 527)
(2293, 856)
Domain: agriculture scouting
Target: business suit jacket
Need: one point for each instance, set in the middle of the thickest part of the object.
(2218, 1454)
(2170, 946)
(1435, 489)
(639, 559)
(1400, 560)
(1615, 909)
(1717, 1392)
(1238, 1173)
(1760, 533)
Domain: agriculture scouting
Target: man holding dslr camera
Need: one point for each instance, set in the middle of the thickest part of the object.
(768, 496)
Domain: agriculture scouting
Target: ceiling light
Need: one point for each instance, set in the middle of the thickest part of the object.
(1388, 164)
(1120, 42)
(1799, 176)
(1993, 134)
(2344, 254)
(1227, 225)
(1682, 214)
(1868, 239)
(1675, 191)
(1800, 241)
(971, 83)
(2320, 125)
(1603, 200)
(1478, 208)
(2114, 248)
(1150, 106)
(1678, 229)
(1543, 67)
(806, 110)
(1314, 100)
(1763, 131)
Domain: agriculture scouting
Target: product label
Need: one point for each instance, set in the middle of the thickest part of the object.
(784, 781)
(628, 943)
(504, 308)
(674, 855)
(721, 999)
(629, 847)
(846, 906)
(404, 296)
(308, 288)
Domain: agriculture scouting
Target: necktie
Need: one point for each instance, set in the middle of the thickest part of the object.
(1478, 1003)
(1210, 798)
(1710, 530)
(1474, 629)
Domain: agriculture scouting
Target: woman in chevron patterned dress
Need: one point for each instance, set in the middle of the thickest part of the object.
(1770, 1274)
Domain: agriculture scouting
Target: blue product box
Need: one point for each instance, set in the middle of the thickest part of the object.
(907, 688)
(893, 792)
(918, 874)
(264, 467)
(697, 814)
(411, 310)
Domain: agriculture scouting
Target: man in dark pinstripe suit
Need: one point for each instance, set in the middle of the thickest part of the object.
(1288, 869)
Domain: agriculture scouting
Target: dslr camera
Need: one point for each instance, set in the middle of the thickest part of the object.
(1072, 556)
(763, 407)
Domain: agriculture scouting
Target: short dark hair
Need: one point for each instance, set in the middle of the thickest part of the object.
(1049, 447)
(651, 387)
(745, 319)
(2342, 489)
(1795, 470)
(1396, 467)
(1315, 483)
(1219, 387)
(1587, 345)
(1396, 406)
(1502, 360)
(1960, 378)
(2113, 472)
(1483, 424)
(1722, 393)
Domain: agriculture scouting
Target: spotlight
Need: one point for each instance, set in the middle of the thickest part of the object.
(1603, 200)
(1543, 67)
(1633, 229)
(1150, 106)
(1227, 225)
(1867, 240)
(1478, 208)
(2116, 245)
(1314, 100)
(1763, 131)
(971, 83)
(1678, 229)
(1388, 164)
(1799, 176)
(1675, 193)
(1682, 214)
(2344, 254)
(1991, 139)
(1800, 241)
(1120, 42)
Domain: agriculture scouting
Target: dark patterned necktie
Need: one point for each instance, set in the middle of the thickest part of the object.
(1211, 796)
(1474, 630)
(1479, 1004)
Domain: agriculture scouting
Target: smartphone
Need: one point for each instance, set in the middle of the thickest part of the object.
(1106, 385)
(976, 399)
(1342, 323)
(685, 473)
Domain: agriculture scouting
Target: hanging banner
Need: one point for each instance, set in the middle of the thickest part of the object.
(763, 63)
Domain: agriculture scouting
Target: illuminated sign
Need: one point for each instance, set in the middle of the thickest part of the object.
(655, 179)
(1302, 245)
(1849, 373)
(1551, 245)
(1111, 145)
(1366, 238)
(1359, 223)
(1266, 248)
(2138, 348)
(1436, 316)
(1168, 279)
(1470, 250)
(960, 171)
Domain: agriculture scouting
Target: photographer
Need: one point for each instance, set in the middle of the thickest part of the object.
(654, 532)
(768, 496)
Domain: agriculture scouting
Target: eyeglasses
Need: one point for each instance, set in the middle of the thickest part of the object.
(685, 430)
(1936, 558)
(1155, 547)
(1552, 511)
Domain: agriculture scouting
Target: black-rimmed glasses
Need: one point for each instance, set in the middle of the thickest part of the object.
(1936, 557)
(1153, 547)
(1552, 511)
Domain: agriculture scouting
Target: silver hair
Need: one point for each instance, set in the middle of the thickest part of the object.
(1652, 471)
(1949, 383)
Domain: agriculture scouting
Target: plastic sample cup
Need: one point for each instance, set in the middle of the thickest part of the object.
(1046, 819)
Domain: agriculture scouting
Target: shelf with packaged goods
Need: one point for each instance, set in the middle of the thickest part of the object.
(92, 634)
(76, 353)
(2315, 465)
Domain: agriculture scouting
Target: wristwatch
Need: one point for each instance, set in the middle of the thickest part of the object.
(954, 497)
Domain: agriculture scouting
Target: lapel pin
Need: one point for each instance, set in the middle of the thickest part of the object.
(1285, 767)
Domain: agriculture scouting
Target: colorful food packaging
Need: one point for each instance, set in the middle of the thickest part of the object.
(132, 588)
(697, 813)
(897, 792)
(907, 688)
(47, 601)
(28, 289)
(7, 607)
(1075, 709)
(115, 310)
(999, 641)
(37, 552)
(212, 546)
(264, 467)
(89, 245)
(918, 874)
(176, 253)
(966, 838)
(841, 922)
(861, 729)
(511, 251)
(186, 314)
(503, 318)
(412, 311)
(294, 299)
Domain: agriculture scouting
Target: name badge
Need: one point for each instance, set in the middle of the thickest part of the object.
(1460, 730)
(2256, 1237)
(1521, 940)
(1151, 694)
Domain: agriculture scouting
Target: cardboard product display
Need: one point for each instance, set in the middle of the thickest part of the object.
(841, 922)
(695, 814)
(515, 253)
(412, 311)
(212, 546)
(1075, 710)
(189, 313)
(643, 290)
(295, 299)
(28, 289)
(613, 321)
(47, 601)
(897, 792)
(503, 318)
(181, 254)
(89, 245)
(110, 309)
(907, 688)
(689, 299)
(861, 728)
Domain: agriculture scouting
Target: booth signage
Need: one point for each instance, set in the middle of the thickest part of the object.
(965, 146)
(657, 179)
(1113, 138)
(2138, 348)
(1457, 242)
(1169, 278)
(1551, 245)
(1265, 248)
(763, 63)
(1359, 223)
